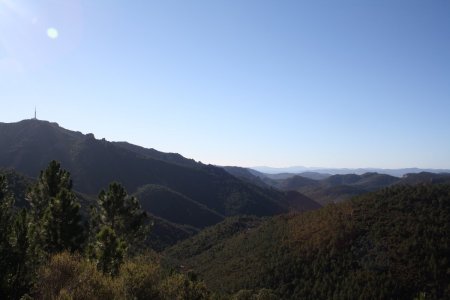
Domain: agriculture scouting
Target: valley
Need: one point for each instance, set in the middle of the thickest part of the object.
(233, 232)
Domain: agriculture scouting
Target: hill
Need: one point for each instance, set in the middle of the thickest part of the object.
(425, 177)
(173, 158)
(200, 192)
(162, 201)
(17, 185)
(246, 175)
(337, 188)
(391, 244)
(343, 171)
(332, 194)
(165, 233)
(296, 183)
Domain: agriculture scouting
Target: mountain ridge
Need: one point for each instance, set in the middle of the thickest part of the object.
(327, 188)
(341, 171)
(200, 190)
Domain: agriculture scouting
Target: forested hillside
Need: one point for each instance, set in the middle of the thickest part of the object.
(242, 236)
(203, 194)
(326, 188)
(392, 244)
(388, 244)
(49, 250)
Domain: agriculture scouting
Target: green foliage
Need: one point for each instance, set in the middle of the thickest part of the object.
(62, 223)
(212, 237)
(56, 211)
(6, 249)
(17, 185)
(141, 278)
(109, 251)
(123, 214)
(67, 276)
(180, 287)
(50, 182)
(50, 225)
(24, 258)
(31, 243)
(262, 294)
(390, 244)
(17, 261)
(118, 227)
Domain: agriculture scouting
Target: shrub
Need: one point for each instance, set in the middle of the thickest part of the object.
(68, 276)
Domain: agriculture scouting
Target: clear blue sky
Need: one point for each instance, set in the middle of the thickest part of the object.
(279, 83)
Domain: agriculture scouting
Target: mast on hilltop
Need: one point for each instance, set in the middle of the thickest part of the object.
(35, 113)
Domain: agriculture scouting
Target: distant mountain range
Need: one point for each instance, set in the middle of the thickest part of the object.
(325, 188)
(244, 232)
(184, 196)
(173, 188)
(358, 171)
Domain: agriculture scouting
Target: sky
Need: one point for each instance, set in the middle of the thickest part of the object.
(238, 82)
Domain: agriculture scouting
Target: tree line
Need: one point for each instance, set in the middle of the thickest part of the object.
(50, 250)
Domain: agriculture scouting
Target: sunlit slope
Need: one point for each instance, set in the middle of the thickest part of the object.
(394, 243)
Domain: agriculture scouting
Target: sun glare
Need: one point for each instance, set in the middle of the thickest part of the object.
(52, 33)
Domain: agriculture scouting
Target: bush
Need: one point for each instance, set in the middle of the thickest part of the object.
(180, 287)
(68, 276)
(140, 279)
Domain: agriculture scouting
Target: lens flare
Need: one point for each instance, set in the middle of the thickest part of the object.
(52, 33)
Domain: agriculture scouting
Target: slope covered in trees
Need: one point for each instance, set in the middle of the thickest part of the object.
(391, 244)
(18, 185)
(336, 188)
(48, 252)
(28, 146)
(187, 212)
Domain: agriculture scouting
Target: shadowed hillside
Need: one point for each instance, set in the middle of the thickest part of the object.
(336, 188)
(193, 193)
(175, 207)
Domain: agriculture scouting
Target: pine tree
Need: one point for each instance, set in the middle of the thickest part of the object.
(17, 261)
(56, 211)
(123, 214)
(118, 227)
(109, 251)
(6, 251)
(50, 182)
(24, 259)
(62, 223)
